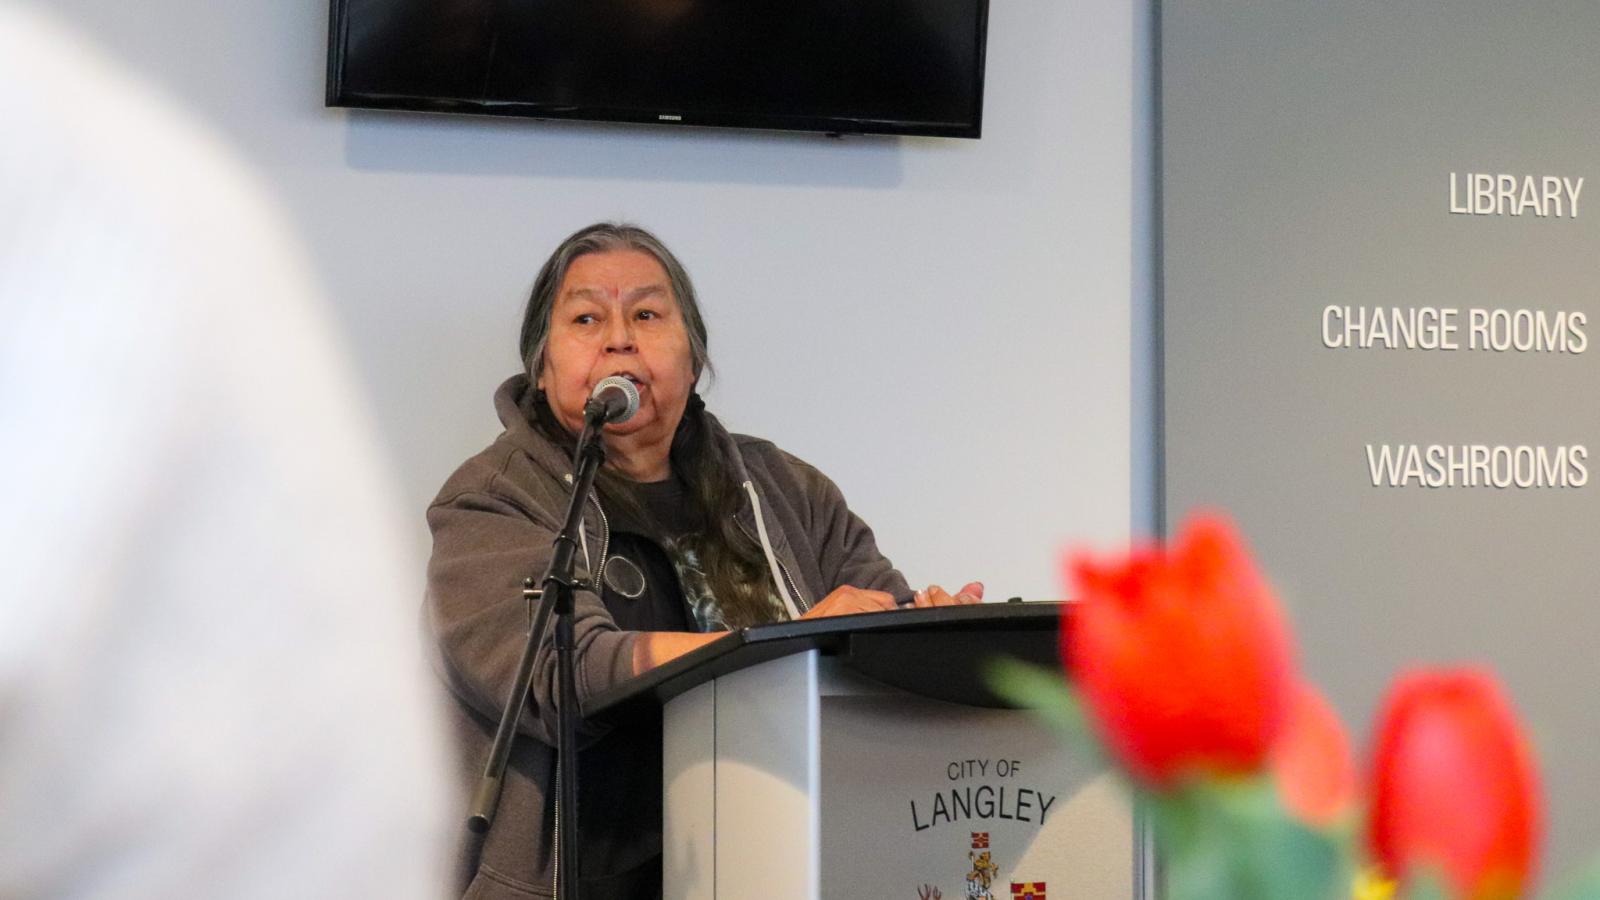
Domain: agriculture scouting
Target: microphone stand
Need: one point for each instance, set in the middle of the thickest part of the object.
(555, 596)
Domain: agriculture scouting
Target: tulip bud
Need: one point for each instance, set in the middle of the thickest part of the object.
(1455, 786)
(1311, 761)
(1182, 655)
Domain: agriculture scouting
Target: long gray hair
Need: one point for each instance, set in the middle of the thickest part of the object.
(603, 237)
(734, 566)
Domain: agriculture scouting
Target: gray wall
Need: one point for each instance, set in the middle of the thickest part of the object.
(875, 304)
(1307, 152)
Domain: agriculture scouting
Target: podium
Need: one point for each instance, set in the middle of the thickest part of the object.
(864, 757)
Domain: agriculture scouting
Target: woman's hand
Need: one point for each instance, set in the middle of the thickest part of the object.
(849, 600)
(934, 595)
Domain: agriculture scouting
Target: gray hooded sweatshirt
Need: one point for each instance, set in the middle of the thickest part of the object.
(493, 523)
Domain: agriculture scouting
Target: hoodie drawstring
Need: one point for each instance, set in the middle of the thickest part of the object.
(772, 558)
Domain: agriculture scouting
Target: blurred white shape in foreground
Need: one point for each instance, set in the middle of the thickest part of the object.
(210, 683)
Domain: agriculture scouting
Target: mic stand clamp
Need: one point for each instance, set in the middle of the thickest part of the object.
(555, 596)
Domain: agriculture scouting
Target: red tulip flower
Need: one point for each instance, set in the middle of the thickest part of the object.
(1455, 786)
(1181, 655)
(1311, 761)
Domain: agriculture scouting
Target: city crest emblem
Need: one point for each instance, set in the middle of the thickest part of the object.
(980, 879)
(982, 873)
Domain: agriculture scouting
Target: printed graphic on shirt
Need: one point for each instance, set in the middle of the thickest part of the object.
(697, 591)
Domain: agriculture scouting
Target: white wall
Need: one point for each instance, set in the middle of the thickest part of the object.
(943, 326)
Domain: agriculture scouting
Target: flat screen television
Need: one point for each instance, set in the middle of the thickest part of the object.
(835, 66)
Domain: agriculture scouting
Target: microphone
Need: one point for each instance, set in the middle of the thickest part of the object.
(613, 400)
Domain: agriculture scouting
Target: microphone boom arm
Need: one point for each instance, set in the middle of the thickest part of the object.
(556, 597)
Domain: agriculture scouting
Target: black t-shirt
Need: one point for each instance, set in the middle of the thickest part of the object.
(643, 592)
(652, 582)
(620, 774)
(664, 518)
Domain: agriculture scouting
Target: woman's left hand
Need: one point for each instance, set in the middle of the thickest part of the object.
(935, 595)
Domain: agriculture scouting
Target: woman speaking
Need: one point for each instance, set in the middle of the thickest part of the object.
(690, 531)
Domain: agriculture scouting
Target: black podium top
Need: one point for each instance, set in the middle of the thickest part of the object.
(937, 652)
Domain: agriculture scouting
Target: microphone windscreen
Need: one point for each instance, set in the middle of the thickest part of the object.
(620, 397)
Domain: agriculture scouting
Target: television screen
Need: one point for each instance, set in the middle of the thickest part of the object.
(842, 66)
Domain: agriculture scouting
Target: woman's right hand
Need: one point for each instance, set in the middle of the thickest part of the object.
(847, 601)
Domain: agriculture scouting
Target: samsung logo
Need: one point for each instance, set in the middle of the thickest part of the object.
(666, 118)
